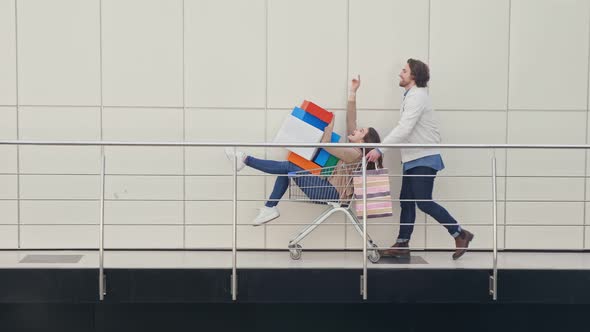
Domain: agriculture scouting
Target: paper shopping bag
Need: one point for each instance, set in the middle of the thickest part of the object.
(378, 193)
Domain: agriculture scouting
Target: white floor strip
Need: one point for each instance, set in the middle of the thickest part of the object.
(281, 260)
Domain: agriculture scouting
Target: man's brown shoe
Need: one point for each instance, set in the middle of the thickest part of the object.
(461, 243)
(399, 250)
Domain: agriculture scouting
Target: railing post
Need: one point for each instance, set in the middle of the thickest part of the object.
(234, 276)
(365, 276)
(494, 281)
(101, 276)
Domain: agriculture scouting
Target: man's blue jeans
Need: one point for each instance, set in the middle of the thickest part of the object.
(315, 187)
(420, 188)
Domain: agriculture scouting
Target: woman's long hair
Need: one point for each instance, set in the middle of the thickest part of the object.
(372, 136)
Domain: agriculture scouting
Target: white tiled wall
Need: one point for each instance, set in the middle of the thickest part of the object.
(9, 212)
(142, 52)
(8, 236)
(59, 186)
(476, 44)
(380, 42)
(58, 52)
(59, 159)
(546, 127)
(540, 51)
(8, 55)
(225, 53)
(144, 187)
(8, 187)
(142, 124)
(144, 236)
(59, 123)
(59, 212)
(8, 154)
(59, 236)
(144, 212)
(307, 52)
(229, 70)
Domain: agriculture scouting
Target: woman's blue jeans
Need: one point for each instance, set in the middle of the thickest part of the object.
(315, 187)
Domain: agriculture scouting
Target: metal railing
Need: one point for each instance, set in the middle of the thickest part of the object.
(364, 277)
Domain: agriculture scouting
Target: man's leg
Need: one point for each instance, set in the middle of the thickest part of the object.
(422, 188)
(408, 210)
(407, 219)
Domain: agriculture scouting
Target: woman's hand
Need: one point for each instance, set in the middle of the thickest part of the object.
(355, 83)
(327, 137)
(331, 124)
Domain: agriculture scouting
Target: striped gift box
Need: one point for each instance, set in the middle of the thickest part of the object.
(378, 193)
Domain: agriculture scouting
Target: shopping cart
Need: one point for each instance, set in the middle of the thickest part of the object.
(312, 186)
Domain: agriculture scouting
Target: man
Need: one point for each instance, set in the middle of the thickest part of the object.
(420, 165)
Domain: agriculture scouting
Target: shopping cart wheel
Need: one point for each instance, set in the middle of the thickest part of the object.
(374, 255)
(295, 251)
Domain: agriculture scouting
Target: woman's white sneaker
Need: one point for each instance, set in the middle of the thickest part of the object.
(266, 214)
(230, 154)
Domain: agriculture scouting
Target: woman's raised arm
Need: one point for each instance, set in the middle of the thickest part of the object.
(351, 106)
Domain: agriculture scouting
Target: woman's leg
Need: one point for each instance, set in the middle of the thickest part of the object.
(274, 167)
(279, 189)
(270, 166)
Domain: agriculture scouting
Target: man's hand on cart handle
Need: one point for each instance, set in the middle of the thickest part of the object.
(373, 155)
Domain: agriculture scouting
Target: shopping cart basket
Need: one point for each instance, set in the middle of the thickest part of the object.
(312, 186)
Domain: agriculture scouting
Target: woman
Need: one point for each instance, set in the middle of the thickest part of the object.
(316, 188)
